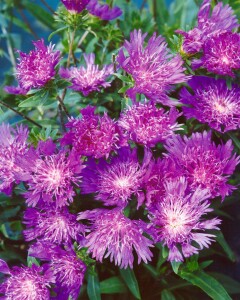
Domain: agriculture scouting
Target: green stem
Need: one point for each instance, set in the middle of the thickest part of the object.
(20, 114)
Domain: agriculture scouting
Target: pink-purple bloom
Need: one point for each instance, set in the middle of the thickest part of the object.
(103, 11)
(222, 18)
(93, 135)
(89, 79)
(75, 6)
(13, 144)
(26, 283)
(179, 220)
(153, 68)
(117, 181)
(67, 268)
(221, 54)
(203, 163)
(52, 225)
(50, 175)
(160, 172)
(35, 69)
(146, 124)
(114, 235)
(212, 102)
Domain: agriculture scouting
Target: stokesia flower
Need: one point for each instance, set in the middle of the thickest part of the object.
(178, 220)
(203, 163)
(161, 171)
(35, 69)
(212, 102)
(89, 79)
(103, 12)
(114, 235)
(93, 135)
(153, 68)
(117, 181)
(147, 125)
(221, 54)
(68, 269)
(26, 283)
(221, 19)
(50, 178)
(54, 225)
(75, 6)
(13, 144)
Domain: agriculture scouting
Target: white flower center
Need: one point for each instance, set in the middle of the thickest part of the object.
(29, 289)
(122, 182)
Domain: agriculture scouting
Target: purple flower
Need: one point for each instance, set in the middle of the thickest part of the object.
(153, 68)
(26, 283)
(203, 163)
(103, 12)
(212, 102)
(178, 220)
(35, 69)
(117, 181)
(221, 19)
(89, 79)
(68, 269)
(221, 54)
(13, 144)
(161, 171)
(50, 177)
(145, 124)
(75, 6)
(114, 235)
(93, 135)
(54, 225)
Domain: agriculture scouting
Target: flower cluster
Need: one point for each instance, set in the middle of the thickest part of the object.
(116, 181)
(26, 283)
(220, 54)
(147, 125)
(13, 145)
(114, 185)
(87, 79)
(212, 102)
(222, 18)
(153, 68)
(178, 220)
(93, 135)
(102, 11)
(203, 163)
(50, 175)
(113, 235)
(35, 69)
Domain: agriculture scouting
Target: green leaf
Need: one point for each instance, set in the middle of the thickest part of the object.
(113, 285)
(129, 277)
(231, 285)
(93, 287)
(9, 213)
(41, 14)
(57, 31)
(32, 261)
(207, 283)
(124, 78)
(62, 84)
(235, 140)
(37, 99)
(205, 264)
(124, 89)
(12, 230)
(167, 295)
(175, 266)
(221, 240)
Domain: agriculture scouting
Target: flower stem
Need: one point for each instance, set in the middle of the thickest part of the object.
(20, 114)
